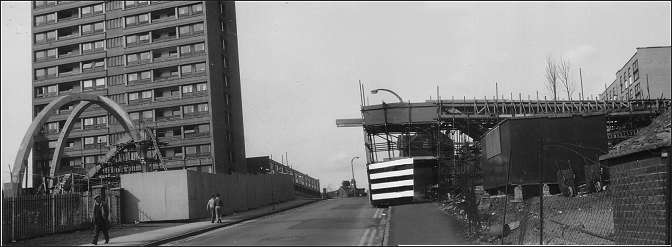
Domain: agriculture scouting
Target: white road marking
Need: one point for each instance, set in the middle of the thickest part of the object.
(369, 240)
(364, 237)
(386, 234)
(377, 213)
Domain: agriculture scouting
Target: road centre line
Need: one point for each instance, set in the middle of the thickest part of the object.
(364, 237)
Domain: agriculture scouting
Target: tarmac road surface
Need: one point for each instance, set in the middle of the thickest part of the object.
(424, 224)
(343, 221)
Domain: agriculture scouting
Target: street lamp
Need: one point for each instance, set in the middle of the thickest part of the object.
(352, 167)
(375, 91)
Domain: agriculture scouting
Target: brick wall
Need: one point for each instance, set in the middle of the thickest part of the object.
(639, 185)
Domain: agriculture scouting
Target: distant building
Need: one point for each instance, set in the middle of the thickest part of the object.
(645, 76)
(265, 165)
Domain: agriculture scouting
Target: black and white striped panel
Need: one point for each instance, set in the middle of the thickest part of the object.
(391, 179)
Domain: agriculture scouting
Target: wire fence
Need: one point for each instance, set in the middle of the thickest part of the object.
(594, 213)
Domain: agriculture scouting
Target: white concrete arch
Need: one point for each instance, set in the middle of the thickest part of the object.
(27, 143)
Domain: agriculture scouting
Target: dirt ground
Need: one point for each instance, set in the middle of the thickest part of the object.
(583, 219)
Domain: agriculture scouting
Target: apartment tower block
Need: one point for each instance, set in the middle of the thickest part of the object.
(172, 65)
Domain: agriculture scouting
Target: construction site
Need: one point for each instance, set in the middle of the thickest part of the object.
(446, 134)
(473, 154)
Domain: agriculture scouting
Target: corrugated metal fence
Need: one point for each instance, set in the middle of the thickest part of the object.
(36, 215)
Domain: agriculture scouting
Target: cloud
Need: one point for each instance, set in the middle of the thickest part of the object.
(580, 53)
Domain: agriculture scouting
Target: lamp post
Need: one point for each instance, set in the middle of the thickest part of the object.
(352, 167)
(375, 91)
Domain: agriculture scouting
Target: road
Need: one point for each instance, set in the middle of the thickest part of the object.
(344, 221)
(424, 224)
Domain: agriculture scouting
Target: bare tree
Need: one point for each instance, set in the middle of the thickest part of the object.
(565, 75)
(552, 77)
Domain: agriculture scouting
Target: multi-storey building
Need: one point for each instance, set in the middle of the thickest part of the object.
(172, 65)
(645, 76)
(265, 165)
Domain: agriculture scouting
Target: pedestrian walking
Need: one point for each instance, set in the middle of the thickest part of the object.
(100, 221)
(219, 205)
(211, 208)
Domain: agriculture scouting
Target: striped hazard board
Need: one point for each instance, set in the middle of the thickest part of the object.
(391, 180)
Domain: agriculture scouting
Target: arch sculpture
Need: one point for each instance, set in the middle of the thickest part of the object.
(85, 100)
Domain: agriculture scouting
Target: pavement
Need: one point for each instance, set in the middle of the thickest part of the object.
(424, 224)
(342, 221)
(152, 234)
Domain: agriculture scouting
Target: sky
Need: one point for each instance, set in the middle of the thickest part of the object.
(300, 63)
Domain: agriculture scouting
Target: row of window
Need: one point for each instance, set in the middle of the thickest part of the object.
(99, 83)
(200, 129)
(102, 121)
(70, 13)
(70, 69)
(84, 29)
(144, 94)
(47, 18)
(191, 29)
(137, 19)
(145, 17)
(41, 4)
(100, 45)
(92, 65)
(49, 53)
(120, 4)
(629, 76)
(111, 24)
(626, 80)
(175, 152)
(169, 153)
(55, 127)
(187, 109)
(194, 9)
(192, 68)
(178, 152)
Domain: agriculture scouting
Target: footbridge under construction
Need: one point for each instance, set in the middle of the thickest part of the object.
(388, 126)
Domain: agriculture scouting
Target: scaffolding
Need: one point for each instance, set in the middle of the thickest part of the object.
(443, 131)
(122, 158)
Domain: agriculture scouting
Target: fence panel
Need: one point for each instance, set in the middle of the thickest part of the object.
(31, 216)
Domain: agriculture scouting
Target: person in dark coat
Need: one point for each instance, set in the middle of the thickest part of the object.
(100, 223)
(219, 206)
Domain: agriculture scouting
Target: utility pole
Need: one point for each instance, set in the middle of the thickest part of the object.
(541, 191)
(581, 79)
